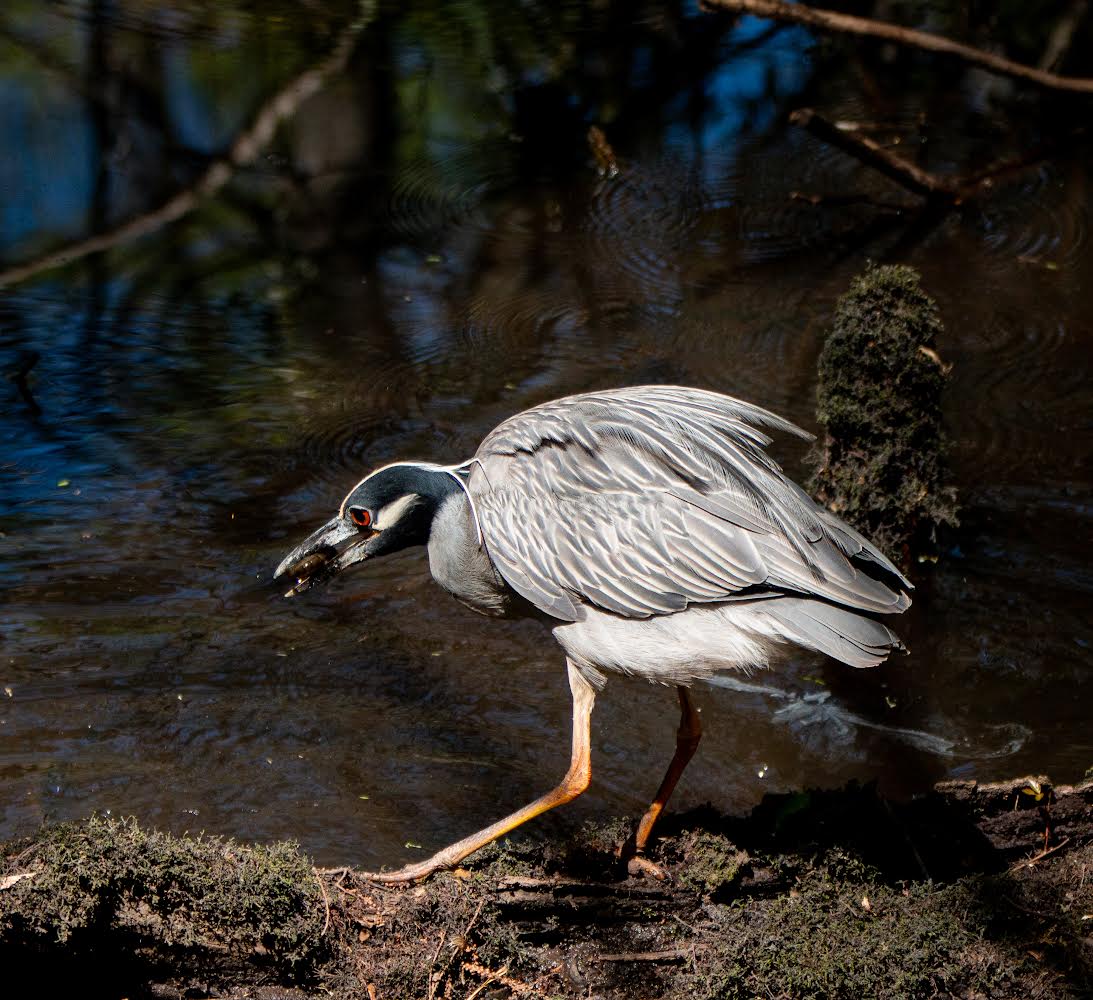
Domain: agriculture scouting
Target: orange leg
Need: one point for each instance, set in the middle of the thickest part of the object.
(576, 781)
(687, 737)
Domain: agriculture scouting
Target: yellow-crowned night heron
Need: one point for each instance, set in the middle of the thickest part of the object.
(651, 530)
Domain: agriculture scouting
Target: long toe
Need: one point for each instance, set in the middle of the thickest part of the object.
(401, 876)
(641, 867)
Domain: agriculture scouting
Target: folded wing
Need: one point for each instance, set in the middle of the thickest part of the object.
(644, 501)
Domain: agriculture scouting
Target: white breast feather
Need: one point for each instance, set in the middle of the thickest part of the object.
(672, 649)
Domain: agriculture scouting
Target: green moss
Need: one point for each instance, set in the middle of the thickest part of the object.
(879, 401)
(114, 877)
(836, 937)
(712, 862)
(792, 918)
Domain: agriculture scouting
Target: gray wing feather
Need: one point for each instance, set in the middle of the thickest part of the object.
(861, 642)
(645, 500)
(528, 576)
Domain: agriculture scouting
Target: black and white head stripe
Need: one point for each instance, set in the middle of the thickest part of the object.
(390, 513)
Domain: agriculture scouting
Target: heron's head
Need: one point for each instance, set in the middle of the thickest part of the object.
(390, 509)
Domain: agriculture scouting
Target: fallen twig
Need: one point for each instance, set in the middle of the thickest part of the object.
(491, 976)
(830, 20)
(1029, 862)
(326, 903)
(512, 884)
(671, 955)
(9, 880)
(460, 947)
(433, 980)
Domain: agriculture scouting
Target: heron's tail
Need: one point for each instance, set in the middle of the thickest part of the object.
(838, 632)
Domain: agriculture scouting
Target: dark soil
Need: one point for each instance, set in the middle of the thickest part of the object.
(972, 891)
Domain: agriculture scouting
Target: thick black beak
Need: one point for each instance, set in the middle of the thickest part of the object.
(335, 546)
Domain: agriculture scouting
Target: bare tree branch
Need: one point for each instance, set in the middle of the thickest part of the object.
(830, 20)
(244, 150)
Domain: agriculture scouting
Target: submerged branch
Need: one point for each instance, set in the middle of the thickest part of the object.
(830, 20)
(950, 190)
(873, 154)
(246, 147)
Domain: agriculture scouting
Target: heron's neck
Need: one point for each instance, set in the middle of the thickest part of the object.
(458, 561)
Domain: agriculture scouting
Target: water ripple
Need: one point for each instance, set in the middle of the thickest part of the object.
(1033, 220)
(428, 197)
(639, 223)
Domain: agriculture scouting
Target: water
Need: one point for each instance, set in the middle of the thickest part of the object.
(424, 248)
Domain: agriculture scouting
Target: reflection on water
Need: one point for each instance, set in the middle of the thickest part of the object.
(424, 247)
(816, 711)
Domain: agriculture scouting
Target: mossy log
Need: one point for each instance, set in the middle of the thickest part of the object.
(882, 459)
(972, 891)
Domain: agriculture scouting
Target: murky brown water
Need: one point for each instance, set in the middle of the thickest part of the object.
(424, 249)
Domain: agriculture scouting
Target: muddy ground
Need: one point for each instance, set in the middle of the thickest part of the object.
(975, 891)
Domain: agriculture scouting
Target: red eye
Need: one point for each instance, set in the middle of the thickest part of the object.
(360, 517)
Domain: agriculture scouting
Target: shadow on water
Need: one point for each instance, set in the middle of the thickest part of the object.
(422, 246)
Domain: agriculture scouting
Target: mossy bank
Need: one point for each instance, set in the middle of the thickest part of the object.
(973, 891)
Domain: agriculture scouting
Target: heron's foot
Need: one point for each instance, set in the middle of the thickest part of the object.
(403, 876)
(637, 864)
(641, 867)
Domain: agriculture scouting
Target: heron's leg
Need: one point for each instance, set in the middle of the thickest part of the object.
(576, 781)
(687, 737)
